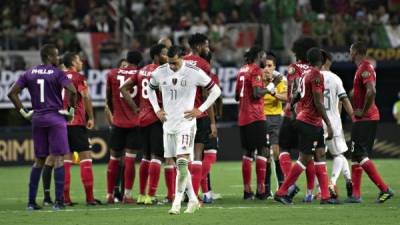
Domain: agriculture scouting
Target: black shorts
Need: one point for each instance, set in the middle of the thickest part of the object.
(273, 123)
(288, 137)
(203, 130)
(310, 137)
(211, 144)
(78, 139)
(125, 138)
(152, 139)
(253, 135)
(362, 137)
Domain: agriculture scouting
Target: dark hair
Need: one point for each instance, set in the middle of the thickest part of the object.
(302, 45)
(134, 57)
(360, 47)
(68, 58)
(176, 50)
(197, 39)
(156, 50)
(325, 56)
(46, 50)
(271, 56)
(251, 55)
(314, 56)
(121, 61)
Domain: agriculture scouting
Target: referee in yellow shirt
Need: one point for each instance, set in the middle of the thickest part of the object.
(273, 111)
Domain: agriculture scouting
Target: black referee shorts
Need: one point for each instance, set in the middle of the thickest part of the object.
(253, 135)
(78, 139)
(362, 137)
(310, 137)
(288, 137)
(125, 138)
(152, 139)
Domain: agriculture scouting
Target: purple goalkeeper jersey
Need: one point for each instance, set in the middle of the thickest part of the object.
(45, 84)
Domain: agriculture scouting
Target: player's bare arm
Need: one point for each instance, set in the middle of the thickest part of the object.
(109, 100)
(87, 101)
(369, 99)
(317, 96)
(72, 96)
(128, 85)
(13, 95)
(345, 102)
(109, 115)
(161, 114)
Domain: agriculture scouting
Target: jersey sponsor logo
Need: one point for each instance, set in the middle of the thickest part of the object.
(291, 70)
(365, 74)
(42, 71)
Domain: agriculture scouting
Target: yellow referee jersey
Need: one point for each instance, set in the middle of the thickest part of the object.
(273, 106)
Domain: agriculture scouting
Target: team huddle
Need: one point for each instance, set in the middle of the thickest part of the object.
(166, 111)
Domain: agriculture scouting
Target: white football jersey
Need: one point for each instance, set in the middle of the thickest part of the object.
(333, 92)
(178, 90)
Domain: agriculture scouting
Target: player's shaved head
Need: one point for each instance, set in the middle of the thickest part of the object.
(134, 57)
(68, 59)
(360, 47)
(49, 53)
(252, 54)
(302, 45)
(314, 56)
(326, 56)
(165, 41)
(197, 39)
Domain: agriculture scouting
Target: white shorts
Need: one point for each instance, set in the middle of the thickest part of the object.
(181, 143)
(337, 145)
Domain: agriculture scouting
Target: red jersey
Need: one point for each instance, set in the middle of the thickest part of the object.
(214, 77)
(205, 66)
(79, 81)
(122, 113)
(147, 115)
(311, 82)
(250, 109)
(365, 73)
(295, 70)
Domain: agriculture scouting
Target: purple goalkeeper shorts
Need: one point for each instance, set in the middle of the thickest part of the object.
(52, 140)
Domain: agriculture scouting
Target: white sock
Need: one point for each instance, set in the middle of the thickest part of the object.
(346, 169)
(337, 166)
(189, 188)
(181, 178)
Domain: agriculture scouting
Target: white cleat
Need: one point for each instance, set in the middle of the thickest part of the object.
(175, 209)
(216, 196)
(192, 206)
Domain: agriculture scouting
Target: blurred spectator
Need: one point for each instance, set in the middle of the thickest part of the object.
(396, 110)
(198, 27)
(338, 31)
(321, 30)
(226, 54)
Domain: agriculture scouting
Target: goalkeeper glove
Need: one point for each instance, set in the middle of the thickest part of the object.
(68, 114)
(27, 114)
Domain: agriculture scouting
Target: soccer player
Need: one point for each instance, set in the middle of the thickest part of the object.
(178, 81)
(45, 83)
(365, 121)
(125, 136)
(273, 112)
(309, 125)
(288, 137)
(334, 97)
(250, 94)
(199, 45)
(151, 131)
(77, 130)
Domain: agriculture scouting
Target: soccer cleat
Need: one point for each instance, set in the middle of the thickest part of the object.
(128, 200)
(261, 196)
(167, 200)
(384, 196)
(283, 199)
(94, 203)
(317, 196)
(269, 195)
(292, 191)
(353, 199)
(110, 199)
(70, 204)
(33, 206)
(349, 188)
(215, 196)
(248, 195)
(331, 201)
(58, 205)
(192, 207)
(175, 209)
(117, 195)
(140, 199)
(150, 200)
(47, 202)
(308, 198)
(207, 199)
(333, 191)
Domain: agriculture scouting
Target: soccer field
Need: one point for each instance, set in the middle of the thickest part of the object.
(226, 179)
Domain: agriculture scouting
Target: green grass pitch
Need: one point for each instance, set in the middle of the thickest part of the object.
(226, 179)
